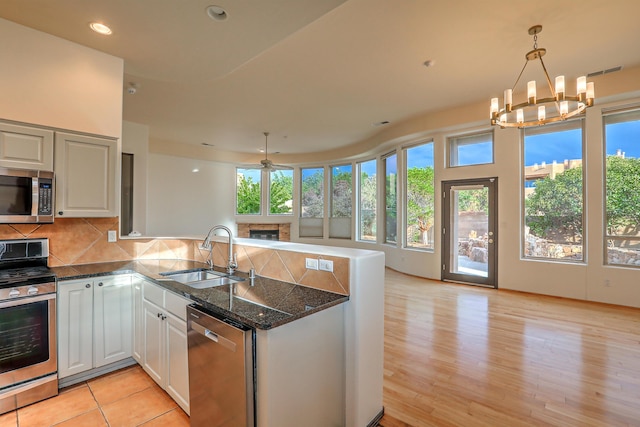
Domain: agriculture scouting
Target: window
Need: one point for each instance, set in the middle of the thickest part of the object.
(622, 188)
(471, 149)
(281, 192)
(367, 197)
(391, 197)
(340, 198)
(312, 202)
(420, 196)
(553, 192)
(248, 191)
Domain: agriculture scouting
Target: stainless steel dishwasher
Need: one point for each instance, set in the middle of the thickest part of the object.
(221, 370)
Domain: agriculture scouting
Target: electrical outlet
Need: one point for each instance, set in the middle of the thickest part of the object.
(326, 265)
(311, 263)
(111, 236)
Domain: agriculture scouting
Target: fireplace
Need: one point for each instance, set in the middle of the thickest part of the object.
(264, 234)
(263, 231)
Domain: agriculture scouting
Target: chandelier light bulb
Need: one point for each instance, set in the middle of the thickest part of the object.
(581, 85)
(564, 108)
(591, 91)
(495, 106)
(520, 115)
(531, 91)
(560, 87)
(541, 113)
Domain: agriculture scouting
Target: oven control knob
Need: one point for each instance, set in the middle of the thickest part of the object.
(14, 293)
(32, 290)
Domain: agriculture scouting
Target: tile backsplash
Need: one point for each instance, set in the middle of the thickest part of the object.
(84, 241)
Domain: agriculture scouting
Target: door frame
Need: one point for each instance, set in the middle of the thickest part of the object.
(492, 251)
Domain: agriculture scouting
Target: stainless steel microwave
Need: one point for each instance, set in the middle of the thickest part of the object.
(26, 196)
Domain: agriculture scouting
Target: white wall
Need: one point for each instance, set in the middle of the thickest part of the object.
(50, 81)
(184, 203)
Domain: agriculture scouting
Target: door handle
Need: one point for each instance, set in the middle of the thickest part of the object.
(217, 338)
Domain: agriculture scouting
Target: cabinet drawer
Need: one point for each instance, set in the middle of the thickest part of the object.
(176, 304)
(153, 293)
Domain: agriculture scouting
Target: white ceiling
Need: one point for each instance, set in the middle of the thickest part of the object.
(318, 74)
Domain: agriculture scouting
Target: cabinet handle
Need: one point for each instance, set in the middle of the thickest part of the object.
(60, 213)
(158, 315)
(88, 285)
(164, 317)
(100, 284)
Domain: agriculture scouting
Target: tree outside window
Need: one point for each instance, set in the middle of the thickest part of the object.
(281, 192)
(420, 196)
(248, 191)
(553, 173)
(340, 199)
(622, 188)
(391, 198)
(368, 196)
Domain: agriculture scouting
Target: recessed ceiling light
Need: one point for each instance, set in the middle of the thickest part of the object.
(217, 13)
(100, 28)
(195, 170)
(429, 63)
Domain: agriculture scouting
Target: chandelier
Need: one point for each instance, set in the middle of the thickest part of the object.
(540, 111)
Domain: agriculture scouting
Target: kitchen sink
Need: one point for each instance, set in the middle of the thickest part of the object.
(200, 279)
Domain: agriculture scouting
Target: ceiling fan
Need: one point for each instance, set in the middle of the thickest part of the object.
(266, 164)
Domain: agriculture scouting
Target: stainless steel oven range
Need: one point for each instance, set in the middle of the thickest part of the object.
(28, 353)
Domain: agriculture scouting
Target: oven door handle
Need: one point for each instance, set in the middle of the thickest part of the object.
(26, 300)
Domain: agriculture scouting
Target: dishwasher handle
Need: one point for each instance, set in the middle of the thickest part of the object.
(213, 336)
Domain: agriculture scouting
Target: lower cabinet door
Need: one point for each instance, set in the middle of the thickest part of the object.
(75, 327)
(153, 341)
(177, 362)
(113, 327)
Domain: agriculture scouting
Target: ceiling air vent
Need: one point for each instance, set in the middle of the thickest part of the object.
(607, 71)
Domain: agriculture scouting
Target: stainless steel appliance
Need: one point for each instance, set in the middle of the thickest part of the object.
(28, 353)
(221, 370)
(26, 196)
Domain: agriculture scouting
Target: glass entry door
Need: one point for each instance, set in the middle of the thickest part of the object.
(470, 231)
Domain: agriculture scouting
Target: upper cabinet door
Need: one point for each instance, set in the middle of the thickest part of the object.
(85, 170)
(23, 147)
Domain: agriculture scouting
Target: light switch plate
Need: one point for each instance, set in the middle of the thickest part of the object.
(111, 236)
(326, 265)
(311, 263)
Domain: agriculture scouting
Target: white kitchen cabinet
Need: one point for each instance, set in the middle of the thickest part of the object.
(85, 170)
(75, 326)
(24, 147)
(164, 341)
(94, 323)
(136, 284)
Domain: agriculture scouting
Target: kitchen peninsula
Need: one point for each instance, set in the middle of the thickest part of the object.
(318, 354)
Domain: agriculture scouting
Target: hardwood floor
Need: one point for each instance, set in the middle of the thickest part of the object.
(455, 355)
(459, 355)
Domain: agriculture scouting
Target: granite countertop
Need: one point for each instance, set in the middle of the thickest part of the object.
(265, 305)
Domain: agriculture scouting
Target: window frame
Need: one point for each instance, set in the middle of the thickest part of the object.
(261, 201)
(454, 140)
(330, 202)
(359, 209)
(631, 111)
(384, 159)
(268, 190)
(574, 124)
(405, 206)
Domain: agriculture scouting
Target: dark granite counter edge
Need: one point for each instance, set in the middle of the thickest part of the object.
(274, 318)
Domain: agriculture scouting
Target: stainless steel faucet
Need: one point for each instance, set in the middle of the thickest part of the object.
(232, 263)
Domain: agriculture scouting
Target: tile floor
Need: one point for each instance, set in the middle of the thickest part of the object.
(125, 398)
